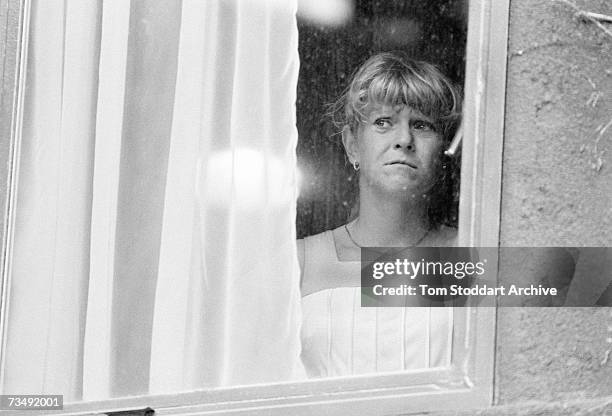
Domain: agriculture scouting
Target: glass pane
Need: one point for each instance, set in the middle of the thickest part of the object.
(373, 203)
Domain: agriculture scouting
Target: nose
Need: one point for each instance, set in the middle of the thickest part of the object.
(404, 138)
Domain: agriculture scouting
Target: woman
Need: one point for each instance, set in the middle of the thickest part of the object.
(397, 116)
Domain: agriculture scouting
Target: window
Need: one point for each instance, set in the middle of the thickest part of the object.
(468, 381)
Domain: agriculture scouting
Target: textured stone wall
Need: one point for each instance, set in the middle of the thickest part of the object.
(557, 191)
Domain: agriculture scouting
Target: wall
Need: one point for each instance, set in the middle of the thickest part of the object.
(556, 177)
(557, 191)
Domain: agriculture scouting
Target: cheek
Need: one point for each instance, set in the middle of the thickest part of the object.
(367, 151)
(433, 153)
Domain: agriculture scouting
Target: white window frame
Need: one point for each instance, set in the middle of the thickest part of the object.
(468, 382)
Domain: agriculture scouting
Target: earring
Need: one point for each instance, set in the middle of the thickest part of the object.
(356, 165)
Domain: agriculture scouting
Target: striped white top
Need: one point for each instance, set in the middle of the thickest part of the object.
(341, 338)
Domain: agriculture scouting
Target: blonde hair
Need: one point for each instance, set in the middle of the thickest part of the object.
(392, 78)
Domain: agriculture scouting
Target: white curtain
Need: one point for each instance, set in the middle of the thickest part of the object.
(154, 246)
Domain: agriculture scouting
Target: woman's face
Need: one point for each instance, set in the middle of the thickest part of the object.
(397, 149)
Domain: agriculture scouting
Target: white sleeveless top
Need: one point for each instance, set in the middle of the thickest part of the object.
(340, 338)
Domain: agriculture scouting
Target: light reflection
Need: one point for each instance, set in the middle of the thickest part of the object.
(245, 178)
(399, 33)
(318, 12)
(326, 12)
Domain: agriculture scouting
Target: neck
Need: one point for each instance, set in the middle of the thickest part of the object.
(390, 222)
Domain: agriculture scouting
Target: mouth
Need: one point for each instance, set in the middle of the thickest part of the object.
(401, 163)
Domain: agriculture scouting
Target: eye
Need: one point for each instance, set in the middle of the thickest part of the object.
(423, 125)
(383, 122)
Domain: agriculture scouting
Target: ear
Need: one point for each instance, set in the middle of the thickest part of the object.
(351, 146)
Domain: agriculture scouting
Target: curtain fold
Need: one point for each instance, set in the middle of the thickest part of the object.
(229, 248)
(109, 125)
(154, 247)
(50, 262)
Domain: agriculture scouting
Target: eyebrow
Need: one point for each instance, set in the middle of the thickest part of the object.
(379, 112)
(416, 113)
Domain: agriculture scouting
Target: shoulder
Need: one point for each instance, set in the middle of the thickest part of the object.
(314, 245)
(316, 242)
(320, 266)
(319, 262)
(444, 236)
